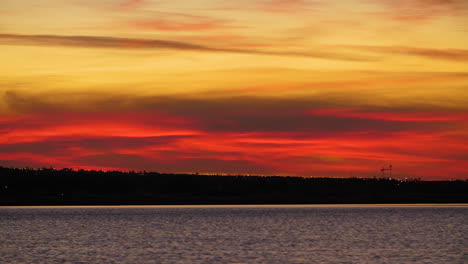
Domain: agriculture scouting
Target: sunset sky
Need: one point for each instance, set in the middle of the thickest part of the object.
(332, 88)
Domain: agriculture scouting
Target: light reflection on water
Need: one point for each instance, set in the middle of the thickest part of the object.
(235, 234)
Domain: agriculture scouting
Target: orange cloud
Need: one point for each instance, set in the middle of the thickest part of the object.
(173, 25)
(274, 6)
(422, 10)
(287, 6)
(131, 4)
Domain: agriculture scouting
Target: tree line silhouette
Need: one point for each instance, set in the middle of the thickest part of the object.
(26, 186)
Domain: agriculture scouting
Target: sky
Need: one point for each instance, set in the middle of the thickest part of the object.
(321, 88)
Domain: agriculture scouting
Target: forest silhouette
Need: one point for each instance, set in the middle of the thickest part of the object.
(47, 186)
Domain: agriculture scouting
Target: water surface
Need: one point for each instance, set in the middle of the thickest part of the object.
(235, 234)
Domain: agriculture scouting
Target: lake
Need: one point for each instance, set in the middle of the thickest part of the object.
(235, 234)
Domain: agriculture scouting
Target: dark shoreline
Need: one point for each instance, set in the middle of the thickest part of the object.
(43, 187)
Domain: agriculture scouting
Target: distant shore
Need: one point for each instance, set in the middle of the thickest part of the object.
(43, 187)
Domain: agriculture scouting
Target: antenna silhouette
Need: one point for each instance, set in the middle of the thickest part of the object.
(390, 167)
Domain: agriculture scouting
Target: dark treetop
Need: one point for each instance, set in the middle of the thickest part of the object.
(82, 187)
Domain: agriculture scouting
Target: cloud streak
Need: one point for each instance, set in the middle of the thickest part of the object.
(132, 43)
(442, 54)
(422, 10)
(131, 4)
(166, 21)
(240, 114)
(287, 6)
(274, 6)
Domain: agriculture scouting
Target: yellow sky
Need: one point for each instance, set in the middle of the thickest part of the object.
(260, 43)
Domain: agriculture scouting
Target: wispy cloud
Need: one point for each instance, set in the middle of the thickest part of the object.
(174, 25)
(95, 42)
(444, 54)
(120, 43)
(176, 21)
(287, 6)
(273, 6)
(131, 4)
(422, 10)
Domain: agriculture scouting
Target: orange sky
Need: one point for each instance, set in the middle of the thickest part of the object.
(288, 87)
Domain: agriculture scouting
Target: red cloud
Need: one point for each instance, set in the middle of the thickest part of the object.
(183, 143)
